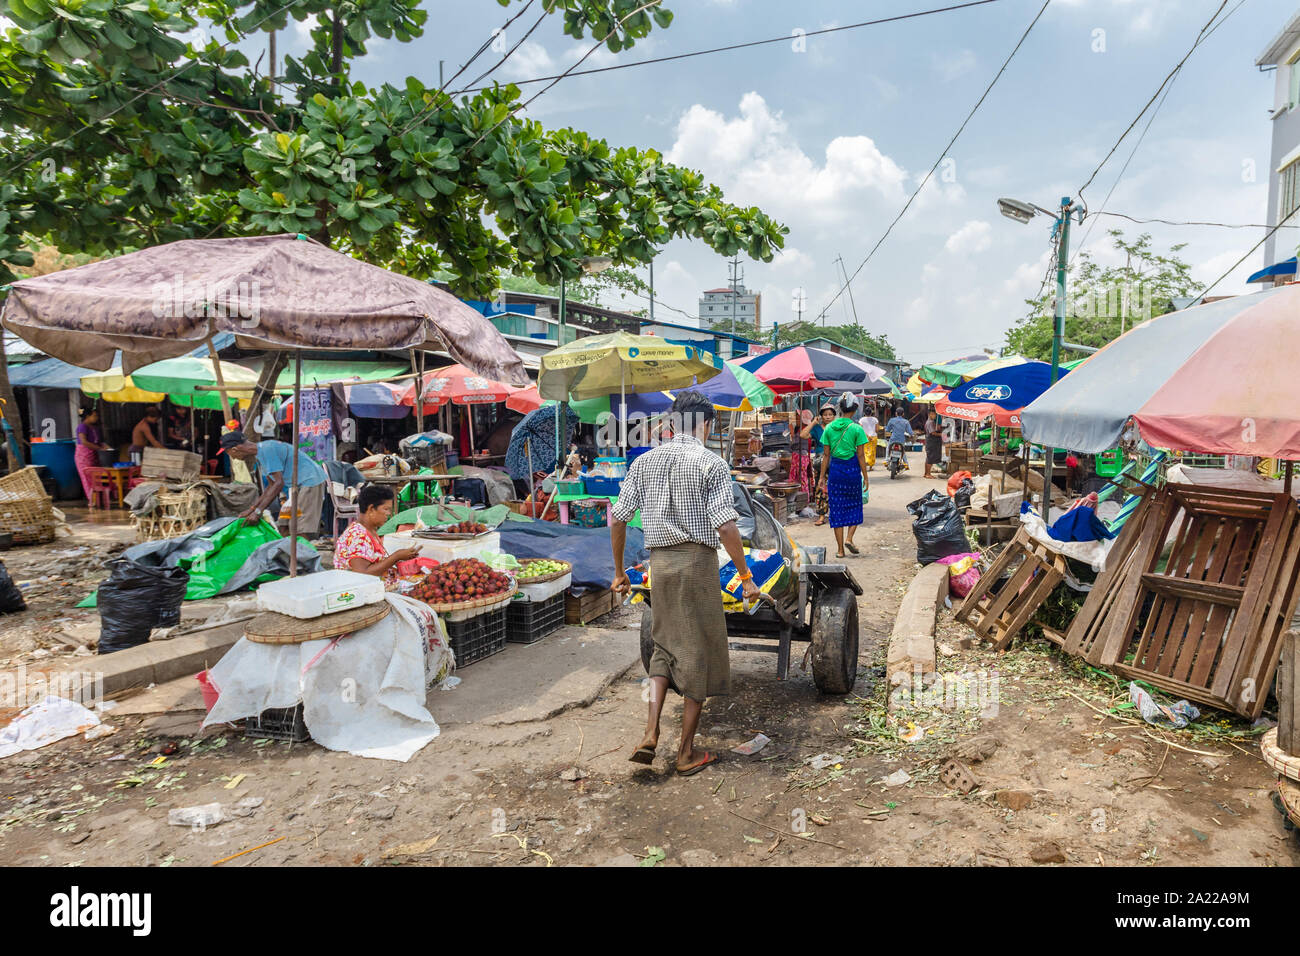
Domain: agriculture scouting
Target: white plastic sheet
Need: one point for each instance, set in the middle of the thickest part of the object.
(363, 694)
(47, 720)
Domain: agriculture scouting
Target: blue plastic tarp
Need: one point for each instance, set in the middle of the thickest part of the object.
(587, 549)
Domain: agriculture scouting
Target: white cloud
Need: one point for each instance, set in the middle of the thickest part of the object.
(976, 235)
(757, 161)
(530, 60)
(791, 259)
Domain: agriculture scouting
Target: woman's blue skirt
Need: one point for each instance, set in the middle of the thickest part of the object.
(844, 488)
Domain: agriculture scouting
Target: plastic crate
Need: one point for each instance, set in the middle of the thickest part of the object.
(478, 637)
(280, 723)
(603, 487)
(530, 621)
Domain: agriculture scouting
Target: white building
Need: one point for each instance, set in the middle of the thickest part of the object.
(726, 303)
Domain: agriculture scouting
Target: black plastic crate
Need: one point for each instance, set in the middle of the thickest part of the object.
(279, 723)
(530, 621)
(478, 637)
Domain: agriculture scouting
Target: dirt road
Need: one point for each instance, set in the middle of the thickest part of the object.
(1059, 782)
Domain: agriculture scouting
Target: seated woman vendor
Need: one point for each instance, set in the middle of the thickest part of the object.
(360, 548)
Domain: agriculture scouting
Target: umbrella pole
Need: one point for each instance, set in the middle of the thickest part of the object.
(419, 398)
(293, 511)
(193, 443)
(1286, 487)
(469, 412)
(221, 381)
(622, 409)
(528, 451)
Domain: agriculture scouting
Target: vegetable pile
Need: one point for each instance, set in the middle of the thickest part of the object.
(461, 580)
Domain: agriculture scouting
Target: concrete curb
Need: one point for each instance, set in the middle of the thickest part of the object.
(155, 662)
(911, 644)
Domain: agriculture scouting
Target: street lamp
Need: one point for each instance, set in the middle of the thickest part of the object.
(1023, 212)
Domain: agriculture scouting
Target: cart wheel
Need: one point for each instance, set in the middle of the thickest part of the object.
(835, 641)
(647, 643)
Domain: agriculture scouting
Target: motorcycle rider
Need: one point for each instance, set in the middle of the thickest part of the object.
(898, 429)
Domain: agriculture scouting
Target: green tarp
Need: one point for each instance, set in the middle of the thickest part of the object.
(232, 546)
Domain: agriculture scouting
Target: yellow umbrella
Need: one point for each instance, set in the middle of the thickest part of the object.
(113, 386)
(619, 362)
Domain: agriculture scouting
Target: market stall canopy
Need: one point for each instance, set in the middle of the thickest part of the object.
(280, 292)
(1088, 410)
(1286, 267)
(456, 384)
(620, 362)
(801, 368)
(1233, 395)
(183, 378)
(954, 372)
(524, 400)
(113, 386)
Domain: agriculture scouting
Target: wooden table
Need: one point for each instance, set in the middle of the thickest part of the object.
(479, 461)
(119, 476)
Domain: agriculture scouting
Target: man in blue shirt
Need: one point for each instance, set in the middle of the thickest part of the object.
(275, 467)
(898, 429)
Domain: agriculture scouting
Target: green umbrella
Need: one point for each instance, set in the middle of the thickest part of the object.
(181, 377)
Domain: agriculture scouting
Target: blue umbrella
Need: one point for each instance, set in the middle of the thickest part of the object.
(533, 440)
(376, 400)
(1011, 388)
(1286, 267)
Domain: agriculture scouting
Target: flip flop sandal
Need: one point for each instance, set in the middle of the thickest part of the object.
(849, 545)
(645, 755)
(697, 767)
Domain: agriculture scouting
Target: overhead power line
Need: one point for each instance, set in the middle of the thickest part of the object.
(786, 38)
(969, 116)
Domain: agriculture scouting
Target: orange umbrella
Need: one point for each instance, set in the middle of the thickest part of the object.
(524, 400)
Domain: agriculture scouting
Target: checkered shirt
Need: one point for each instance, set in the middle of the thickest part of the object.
(683, 491)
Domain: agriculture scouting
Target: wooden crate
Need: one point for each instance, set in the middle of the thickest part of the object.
(169, 463)
(586, 607)
(1288, 695)
(1219, 605)
(1008, 594)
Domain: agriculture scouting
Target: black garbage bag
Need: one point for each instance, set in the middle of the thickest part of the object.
(11, 598)
(135, 599)
(962, 495)
(938, 526)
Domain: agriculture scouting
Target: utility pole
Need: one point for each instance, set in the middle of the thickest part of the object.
(799, 301)
(273, 63)
(1058, 331)
(735, 276)
(652, 290)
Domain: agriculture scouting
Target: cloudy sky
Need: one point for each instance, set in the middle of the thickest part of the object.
(832, 138)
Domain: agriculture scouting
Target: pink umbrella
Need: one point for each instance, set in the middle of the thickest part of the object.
(1232, 395)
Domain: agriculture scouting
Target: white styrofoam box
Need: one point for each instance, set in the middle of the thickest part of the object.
(545, 590)
(324, 592)
(444, 551)
(470, 612)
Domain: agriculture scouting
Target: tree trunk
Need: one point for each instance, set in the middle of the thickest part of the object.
(11, 413)
(336, 42)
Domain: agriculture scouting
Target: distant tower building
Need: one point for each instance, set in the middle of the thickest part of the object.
(732, 302)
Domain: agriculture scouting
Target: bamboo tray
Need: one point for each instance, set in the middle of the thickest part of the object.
(272, 628)
(500, 598)
(543, 578)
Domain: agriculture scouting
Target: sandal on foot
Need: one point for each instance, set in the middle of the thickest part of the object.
(699, 765)
(643, 754)
(850, 546)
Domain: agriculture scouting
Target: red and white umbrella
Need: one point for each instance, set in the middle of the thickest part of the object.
(458, 385)
(524, 400)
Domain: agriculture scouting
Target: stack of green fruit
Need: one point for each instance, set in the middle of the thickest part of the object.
(541, 567)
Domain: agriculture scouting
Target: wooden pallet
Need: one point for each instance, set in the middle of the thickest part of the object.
(1008, 594)
(1090, 622)
(1217, 607)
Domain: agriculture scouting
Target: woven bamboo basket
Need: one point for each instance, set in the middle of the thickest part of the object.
(272, 628)
(501, 598)
(26, 511)
(541, 579)
(176, 513)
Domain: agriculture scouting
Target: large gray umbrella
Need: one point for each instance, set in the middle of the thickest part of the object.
(277, 292)
(1087, 410)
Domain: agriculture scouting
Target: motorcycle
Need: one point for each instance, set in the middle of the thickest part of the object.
(894, 458)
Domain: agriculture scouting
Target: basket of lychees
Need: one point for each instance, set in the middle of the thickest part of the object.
(463, 584)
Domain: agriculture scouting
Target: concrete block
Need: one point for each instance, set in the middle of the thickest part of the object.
(911, 644)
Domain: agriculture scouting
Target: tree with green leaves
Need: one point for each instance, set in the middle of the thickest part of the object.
(1105, 301)
(130, 123)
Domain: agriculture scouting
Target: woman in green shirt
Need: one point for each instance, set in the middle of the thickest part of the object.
(844, 471)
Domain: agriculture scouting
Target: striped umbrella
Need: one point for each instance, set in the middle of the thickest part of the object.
(801, 368)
